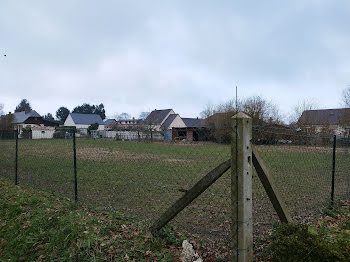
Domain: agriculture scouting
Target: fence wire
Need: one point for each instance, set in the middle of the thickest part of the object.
(301, 166)
(8, 154)
(141, 178)
(45, 164)
(342, 169)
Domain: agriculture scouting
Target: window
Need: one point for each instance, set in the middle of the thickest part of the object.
(43, 132)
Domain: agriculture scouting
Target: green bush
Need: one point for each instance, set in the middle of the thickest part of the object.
(92, 127)
(296, 242)
(26, 132)
(59, 134)
(66, 128)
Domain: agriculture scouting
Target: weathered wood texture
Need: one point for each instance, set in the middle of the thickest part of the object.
(241, 188)
(270, 188)
(191, 194)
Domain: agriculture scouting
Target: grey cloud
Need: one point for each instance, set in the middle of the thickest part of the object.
(140, 55)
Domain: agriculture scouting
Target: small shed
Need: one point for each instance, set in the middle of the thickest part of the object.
(42, 132)
(194, 127)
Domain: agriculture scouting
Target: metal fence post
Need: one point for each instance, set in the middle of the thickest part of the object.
(16, 159)
(75, 169)
(333, 168)
(241, 188)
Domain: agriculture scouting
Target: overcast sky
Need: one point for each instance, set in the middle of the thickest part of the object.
(136, 56)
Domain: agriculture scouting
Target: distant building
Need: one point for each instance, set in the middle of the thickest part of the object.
(42, 132)
(163, 119)
(83, 121)
(128, 123)
(30, 118)
(192, 131)
(337, 121)
(194, 122)
(110, 124)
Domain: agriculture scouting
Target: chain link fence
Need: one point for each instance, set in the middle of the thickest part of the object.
(140, 178)
(8, 154)
(136, 178)
(302, 167)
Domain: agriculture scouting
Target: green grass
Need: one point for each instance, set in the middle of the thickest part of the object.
(36, 226)
(143, 179)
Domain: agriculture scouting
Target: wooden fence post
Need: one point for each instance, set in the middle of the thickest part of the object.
(241, 188)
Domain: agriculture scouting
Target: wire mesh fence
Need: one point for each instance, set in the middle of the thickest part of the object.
(47, 164)
(140, 179)
(342, 169)
(8, 154)
(301, 165)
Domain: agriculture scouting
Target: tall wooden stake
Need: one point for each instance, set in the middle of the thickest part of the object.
(241, 188)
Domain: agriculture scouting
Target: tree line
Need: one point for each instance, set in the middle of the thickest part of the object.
(63, 112)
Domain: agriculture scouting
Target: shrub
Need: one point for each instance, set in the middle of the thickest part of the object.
(66, 128)
(296, 242)
(92, 127)
(59, 134)
(26, 132)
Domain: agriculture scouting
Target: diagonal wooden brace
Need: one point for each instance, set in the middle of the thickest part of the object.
(270, 188)
(191, 195)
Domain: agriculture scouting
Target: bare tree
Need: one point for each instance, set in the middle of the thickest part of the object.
(275, 116)
(257, 108)
(123, 116)
(208, 111)
(1, 109)
(298, 110)
(346, 96)
(219, 117)
(261, 111)
(144, 115)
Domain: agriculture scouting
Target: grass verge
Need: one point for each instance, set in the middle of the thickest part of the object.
(35, 226)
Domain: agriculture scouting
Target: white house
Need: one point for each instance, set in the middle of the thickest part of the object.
(30, 119)
(163, 119)
(25, 118)
(173, 120)
(83, 121)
